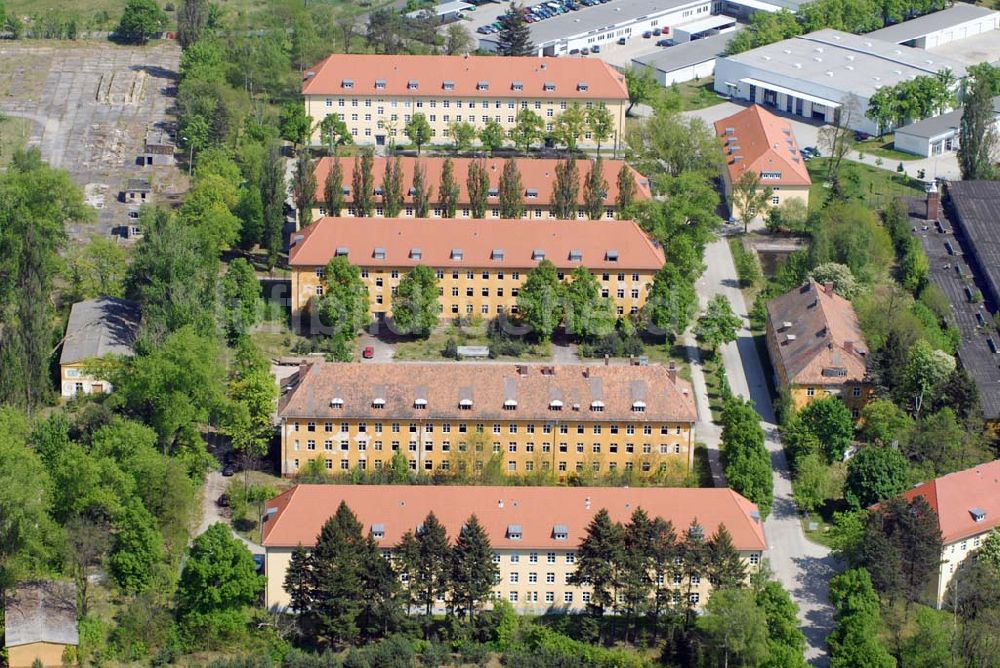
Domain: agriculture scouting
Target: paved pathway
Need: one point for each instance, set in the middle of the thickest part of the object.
(214, 486)
(803, 567)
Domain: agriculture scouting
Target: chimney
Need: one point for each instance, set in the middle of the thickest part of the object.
(586, 372)
(828, 287)
(500, 503)
(933, 203)
(607, 360)
(672, 372)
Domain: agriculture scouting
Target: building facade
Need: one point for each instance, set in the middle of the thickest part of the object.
(377, 95)
(534, 531)
(967, 504)
(480, 265)
(537, 179)
(558, 420)
(817, 348)
(97, 328)
(755, 140)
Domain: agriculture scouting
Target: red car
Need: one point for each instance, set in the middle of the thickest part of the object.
(368, 352)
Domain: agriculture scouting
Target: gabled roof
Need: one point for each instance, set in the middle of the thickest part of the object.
(531, 386)
(299, 514)
(599, 241)
(958, 498)
(426, 76)
(756, 140)
(41, 611)
(823, 342)
(538, 174)
(99, 327)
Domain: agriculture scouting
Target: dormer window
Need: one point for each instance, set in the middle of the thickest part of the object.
(347, 83)
(510, 405)
(346, 190)
(416, 254)
(465, 404)
(549, 86)
(482, 85)
(538, 255)
(420, 404)
(555, 405)
(379, 190)
(336, 402)
(531, 193)
(378, 403)
(379, 254)
(412, 84)
(611, 256)
(514, 532)
(457, 254)
(448, 85)
(582, 86)
(380, 84)
(493, 192)
(597, 406)
(378, 531)
(342, 251)
(638, 406)
(978, 514)
(576, 256)
(517, 85)
(497, 254)
(770, 175)
(560, 532)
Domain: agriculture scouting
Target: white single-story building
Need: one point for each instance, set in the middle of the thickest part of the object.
(815, 75)
(445, 12)
(959, 21)
(607, 23)
(937, 135)
(685, 62)
(702, 28)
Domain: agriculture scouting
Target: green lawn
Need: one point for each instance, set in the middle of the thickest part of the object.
(14, 133)
(691, 95)
(883, 147)
(433, 346)
(878, 186)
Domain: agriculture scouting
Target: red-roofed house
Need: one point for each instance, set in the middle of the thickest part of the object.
(534, 531)
(756, 140)
(376, 95)
(967, 504)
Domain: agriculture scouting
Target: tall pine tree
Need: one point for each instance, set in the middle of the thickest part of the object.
(424, 556)
(638, 566)
(333, 189)
(477, 184)
(726, 568)
(515, 36)
(338, 566)
(511, 191)
(449, 190)
(472, 569)
(598, 559)
(595, 190)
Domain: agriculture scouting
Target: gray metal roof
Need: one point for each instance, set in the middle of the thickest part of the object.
(838, 61)
(941, 125)
(42, 611)
(921, 26)
(99, 327)
(687, 54)
(601, 18)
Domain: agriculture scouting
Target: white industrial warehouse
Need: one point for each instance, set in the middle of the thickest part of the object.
(685, 62)
(957, 22)
(816, 74)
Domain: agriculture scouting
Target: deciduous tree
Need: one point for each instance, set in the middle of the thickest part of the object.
(747, 462)
(333, 189)
(415, 307)
(511, 191)
(304, 186)
(539, 300)
(830, 421)
(750, 197)
(875, 474)
(141, 21)
(600, 124)
(392, 188)
(626, 191)
(334, 133)
(588, 316)
(421, 192)
(719, 325)
(463, 133)
(566, 189)
(343, 307)
(363, 184)
(528, 130)
(418, 131)
(448, 190)
(671, 304)
(491, 136)
(641, 86)
(570, 126)
(595, 190)
(477, 184)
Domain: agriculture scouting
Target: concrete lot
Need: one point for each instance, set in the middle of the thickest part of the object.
(91, 104)
(984, 48)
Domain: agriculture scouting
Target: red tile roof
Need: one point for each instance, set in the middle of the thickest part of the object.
(300, 513)
(957, 496)
(374, 74)
(517, 240)
(488, 386)
(763, 142)
(824, 335)
(538, 174)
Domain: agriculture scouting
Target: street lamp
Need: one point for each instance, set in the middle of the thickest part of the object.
(190, 154)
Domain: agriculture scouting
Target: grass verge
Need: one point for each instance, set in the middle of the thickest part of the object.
(883, 147)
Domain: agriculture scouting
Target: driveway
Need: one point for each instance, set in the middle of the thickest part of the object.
(215, 486)
(803, 567)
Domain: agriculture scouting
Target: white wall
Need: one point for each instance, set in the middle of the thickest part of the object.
(961, 31)
(680, 75)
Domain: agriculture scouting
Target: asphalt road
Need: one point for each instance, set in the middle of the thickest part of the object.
(803, 567)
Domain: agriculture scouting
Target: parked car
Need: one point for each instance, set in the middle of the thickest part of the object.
(663, 42)
(228, 471)
(574, 52)
(647, 34)
(368, 352)
(258, 562)
(596, 48)
(584, 51)
(657, 32)
(621, 40)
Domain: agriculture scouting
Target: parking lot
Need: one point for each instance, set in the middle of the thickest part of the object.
(90, 104)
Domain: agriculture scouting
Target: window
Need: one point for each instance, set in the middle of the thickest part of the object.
(570, 557)
(810, 391)
(532, 557)
(550, 558)
(512, 596)
(513, 578)
(754, 558)
(568, 597)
